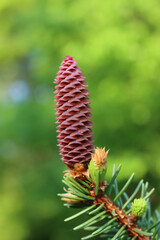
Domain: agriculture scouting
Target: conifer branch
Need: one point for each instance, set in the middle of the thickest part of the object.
(112, 214)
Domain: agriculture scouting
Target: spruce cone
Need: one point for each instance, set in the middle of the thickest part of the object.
(75, 134)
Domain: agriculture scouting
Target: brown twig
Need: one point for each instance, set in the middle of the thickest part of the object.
(121, 217)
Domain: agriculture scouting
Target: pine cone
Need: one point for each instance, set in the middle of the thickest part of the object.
(72, 105)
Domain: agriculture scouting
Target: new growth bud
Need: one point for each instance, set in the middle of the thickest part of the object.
(98, 164)
(138, 207)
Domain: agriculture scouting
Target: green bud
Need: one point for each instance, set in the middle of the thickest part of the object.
(98, 165)
(138, 207)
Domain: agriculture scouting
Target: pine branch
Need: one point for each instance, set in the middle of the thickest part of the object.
(119, 223)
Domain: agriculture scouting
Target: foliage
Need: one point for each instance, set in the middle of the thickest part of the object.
(116, 218)
(118, 41)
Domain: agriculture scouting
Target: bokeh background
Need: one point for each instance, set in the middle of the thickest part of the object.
(117, 45)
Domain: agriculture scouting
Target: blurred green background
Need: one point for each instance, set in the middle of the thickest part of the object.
(117, 45)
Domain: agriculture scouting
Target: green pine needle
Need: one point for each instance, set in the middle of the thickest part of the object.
(119, 232)
(143, 233)
(133, 195)
(149, 194)
(89, 221)
(78, 186)
(115, 174)
(97, 209)
(80, 213)
(82, 195)
(84, 183)
(124, 188)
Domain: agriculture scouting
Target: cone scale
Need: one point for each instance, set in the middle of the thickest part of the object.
(73, 115)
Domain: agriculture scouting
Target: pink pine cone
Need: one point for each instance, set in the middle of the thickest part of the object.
(73, 110)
